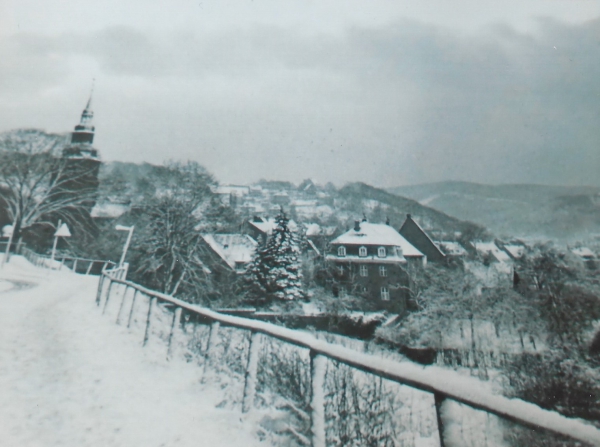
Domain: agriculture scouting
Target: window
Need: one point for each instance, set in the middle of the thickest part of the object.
(385, 294)
(364, 270)
(381, 252)
(365, 289)
(343, 293)
(382, 270)
(362, 251)
(342, 251)
(340, 269)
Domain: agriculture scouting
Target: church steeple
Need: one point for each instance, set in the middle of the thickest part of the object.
(82, 137)
(84, 131)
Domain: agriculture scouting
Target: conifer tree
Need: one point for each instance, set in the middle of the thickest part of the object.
(275, 273)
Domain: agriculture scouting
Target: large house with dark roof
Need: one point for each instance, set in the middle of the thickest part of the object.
(371, 260)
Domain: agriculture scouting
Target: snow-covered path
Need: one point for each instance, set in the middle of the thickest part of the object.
(71, 377)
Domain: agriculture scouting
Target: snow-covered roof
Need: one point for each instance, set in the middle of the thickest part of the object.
(516, 251)
(451, 248)
(492, 249)
(304, 203)
(232, 248)
(583, 252)
(267, 225)
(109, 210)
(377, 234)
(314, 229)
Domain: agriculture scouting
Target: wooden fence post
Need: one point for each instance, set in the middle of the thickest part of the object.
(213, 339)
(87, 272)
(439, 401)
(99, 292)
(174, 331)
(135, 293)
(251, 369)
(75, 266)
(107, 296)
(150, 310)
(317, 401)
(122, 306)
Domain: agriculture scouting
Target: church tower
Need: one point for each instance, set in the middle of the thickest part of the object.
(82, 137)
(82, 163)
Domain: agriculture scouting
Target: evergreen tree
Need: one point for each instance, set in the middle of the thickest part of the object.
(275, 273)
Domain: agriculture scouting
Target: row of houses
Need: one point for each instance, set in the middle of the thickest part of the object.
(370, 260)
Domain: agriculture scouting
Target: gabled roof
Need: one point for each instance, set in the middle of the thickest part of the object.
(409, 220)
(492, 249)
(377, 234)
(514, 250)
(232, 248)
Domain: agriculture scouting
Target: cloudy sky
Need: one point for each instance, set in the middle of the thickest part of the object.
(383, 91)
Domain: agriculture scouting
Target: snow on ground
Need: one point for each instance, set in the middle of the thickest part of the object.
(5, 285)
(70, 377)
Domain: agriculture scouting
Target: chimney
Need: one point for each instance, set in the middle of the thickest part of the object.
(408, 216)
(387, 221)
(364, 217)
(357, 225)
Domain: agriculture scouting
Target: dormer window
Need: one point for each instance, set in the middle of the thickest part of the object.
(341, 251)
(362, 252)
(381, 252)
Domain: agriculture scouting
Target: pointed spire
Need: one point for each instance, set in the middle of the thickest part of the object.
(88, 114)
(84, 131)
(89, 103)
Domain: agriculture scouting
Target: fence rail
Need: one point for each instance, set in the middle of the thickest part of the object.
(443, 389)
(77, 265)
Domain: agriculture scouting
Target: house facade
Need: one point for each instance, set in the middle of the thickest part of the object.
(372, 261)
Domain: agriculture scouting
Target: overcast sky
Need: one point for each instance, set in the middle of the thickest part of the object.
(382, 91)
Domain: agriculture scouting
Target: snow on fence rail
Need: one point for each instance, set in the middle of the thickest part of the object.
(451, 387)
(78, 265)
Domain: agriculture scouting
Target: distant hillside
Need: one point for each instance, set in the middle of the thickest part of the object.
(378, 205)
(561, 212)
(122, 183)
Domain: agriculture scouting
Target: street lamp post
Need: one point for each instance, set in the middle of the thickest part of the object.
(130, 229)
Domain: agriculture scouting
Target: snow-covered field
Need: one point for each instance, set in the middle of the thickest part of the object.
(71, 377)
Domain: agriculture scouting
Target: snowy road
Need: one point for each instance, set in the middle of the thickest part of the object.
(69, 377)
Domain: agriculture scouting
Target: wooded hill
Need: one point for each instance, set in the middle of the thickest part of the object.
(558, 212)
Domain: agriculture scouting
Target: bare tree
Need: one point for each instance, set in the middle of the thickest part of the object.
(37, 183)
(168, 217)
